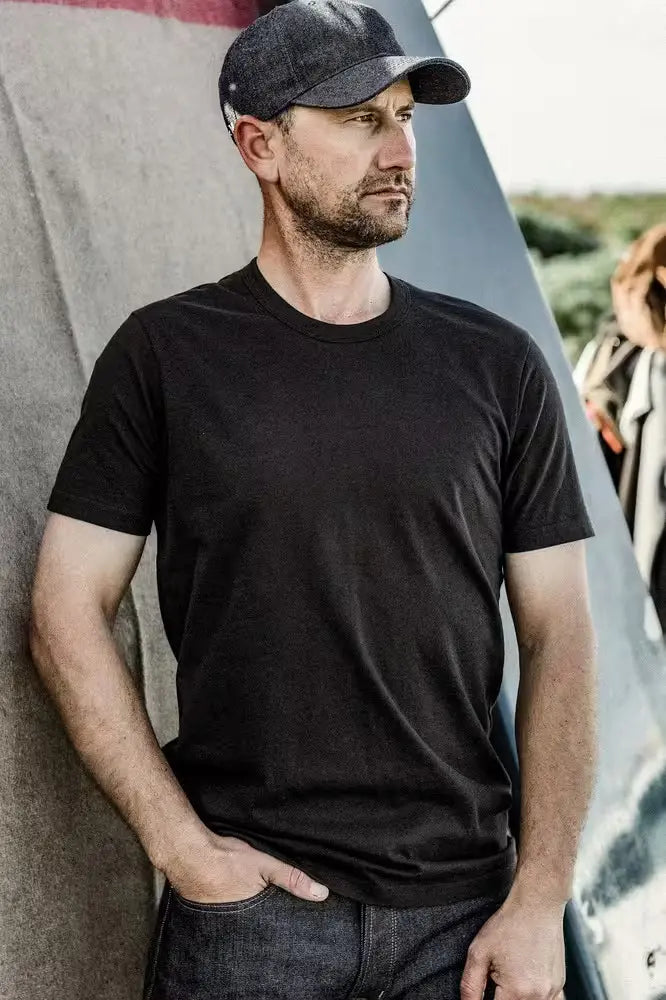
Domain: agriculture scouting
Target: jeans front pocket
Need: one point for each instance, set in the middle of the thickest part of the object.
(230, 905)
(270, 946)
(199, 949)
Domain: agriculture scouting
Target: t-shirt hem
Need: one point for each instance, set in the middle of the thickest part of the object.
(569, 529)
(98, 512)
(496, 882)
(493, 882)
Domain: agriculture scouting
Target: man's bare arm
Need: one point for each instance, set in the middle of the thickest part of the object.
(556, 712)
(82, 572)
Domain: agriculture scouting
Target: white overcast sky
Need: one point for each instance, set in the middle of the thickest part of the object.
(567, 95)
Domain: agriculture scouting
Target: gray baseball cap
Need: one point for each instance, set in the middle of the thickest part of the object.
(325, 54)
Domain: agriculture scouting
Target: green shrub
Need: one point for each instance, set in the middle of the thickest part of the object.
(618, 215)
(575, 243)
(553, 236)
(577, 288)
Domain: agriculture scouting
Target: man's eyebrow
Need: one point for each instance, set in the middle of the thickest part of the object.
(370, 106)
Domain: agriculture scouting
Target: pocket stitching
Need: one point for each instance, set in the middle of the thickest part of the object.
(158, 944)
(231, 906)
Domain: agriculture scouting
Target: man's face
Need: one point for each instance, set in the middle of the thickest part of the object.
(333, 158)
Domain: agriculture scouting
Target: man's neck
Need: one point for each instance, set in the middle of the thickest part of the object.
(333, 286)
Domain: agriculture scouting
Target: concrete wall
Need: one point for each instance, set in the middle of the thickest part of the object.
(119, 185)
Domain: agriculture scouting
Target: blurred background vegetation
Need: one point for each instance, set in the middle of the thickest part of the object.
(575, 244)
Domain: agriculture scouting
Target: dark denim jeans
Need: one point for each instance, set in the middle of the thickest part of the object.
(276, 946)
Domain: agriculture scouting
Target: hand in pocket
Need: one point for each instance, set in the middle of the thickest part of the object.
(227, 869)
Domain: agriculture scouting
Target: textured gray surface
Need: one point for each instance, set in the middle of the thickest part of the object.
(120, 186)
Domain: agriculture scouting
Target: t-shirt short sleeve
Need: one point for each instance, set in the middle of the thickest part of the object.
(541, 493)
(110, 472)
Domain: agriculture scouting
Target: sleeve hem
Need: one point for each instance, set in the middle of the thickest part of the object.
(538, 536)
(98, 512)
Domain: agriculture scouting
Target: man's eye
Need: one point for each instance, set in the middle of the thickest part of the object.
(370, 116)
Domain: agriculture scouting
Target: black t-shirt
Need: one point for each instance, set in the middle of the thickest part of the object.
(332, 503)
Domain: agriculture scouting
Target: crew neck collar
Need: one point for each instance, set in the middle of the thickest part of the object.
(318, 329)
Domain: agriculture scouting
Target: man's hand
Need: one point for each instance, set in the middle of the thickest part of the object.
(521, 948)
(226, 869)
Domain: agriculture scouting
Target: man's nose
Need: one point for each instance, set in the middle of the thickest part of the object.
(397, 150)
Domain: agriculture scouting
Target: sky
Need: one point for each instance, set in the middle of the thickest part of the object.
(567, 95)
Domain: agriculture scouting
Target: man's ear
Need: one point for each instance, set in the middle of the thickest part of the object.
(253, 139)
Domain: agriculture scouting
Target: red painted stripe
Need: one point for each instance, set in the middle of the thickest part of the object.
(225, 13)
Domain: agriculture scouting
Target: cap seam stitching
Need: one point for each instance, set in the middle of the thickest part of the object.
(277, 35)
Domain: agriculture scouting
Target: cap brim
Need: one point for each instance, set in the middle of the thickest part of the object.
(434, 80)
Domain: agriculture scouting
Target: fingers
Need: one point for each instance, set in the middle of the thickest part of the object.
(475, 976)
(296, 881)
(246, 863)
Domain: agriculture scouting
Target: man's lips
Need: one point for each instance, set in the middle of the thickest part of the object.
(393, 191)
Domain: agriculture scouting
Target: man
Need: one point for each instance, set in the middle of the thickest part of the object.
(342, 468)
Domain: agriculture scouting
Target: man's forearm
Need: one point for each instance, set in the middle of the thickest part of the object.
(106, 720)
(556, 735)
